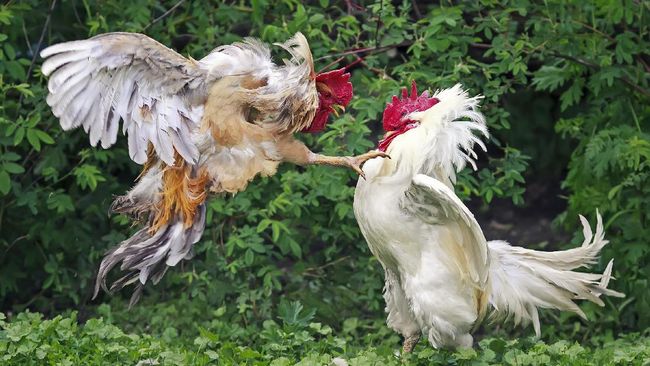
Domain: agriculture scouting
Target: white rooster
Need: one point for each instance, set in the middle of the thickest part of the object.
(441, 273)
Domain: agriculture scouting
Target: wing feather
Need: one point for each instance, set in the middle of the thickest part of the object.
(97, 82)
(433, 202)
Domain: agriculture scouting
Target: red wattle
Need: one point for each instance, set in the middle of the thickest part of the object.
(338, 91)
(319, 122)
(383, 144)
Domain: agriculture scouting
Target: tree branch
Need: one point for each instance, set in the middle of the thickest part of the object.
(164, 15)
(368, 50)
(591, 65)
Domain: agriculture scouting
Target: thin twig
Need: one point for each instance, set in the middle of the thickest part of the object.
(418, 14)
(348, 66)
(635, 86)
(612, 39)
(334, 262)
(381, 73)
(352, 6)
(369, 50)
(639, 58)
(164, 15)
(331, 64)
(595, 30)
(38, 47)
(76, 15)
(591, 65)
(26, 236)
(29, 46)
(484, 46)
(381, 11)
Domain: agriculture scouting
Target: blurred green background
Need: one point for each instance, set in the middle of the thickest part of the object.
(282, 273)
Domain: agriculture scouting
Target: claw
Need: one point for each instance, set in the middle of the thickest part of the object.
(362, 175)
(356, 162)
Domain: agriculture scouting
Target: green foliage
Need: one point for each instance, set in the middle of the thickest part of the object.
(30, 340)
(566, 88)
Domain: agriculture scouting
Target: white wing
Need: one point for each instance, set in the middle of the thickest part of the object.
(434, 203)
(156, 92)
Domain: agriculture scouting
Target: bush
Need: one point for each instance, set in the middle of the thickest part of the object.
(578, 67)
(30, 340)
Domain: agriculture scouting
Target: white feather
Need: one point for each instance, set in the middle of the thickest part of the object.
(114, 75)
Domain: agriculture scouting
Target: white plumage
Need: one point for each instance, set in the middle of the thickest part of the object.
(98, 81)
(441, 273)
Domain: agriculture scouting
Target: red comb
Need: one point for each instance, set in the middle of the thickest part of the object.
(339, 82)
(398, 108)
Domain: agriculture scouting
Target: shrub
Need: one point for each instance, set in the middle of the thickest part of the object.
(295, 339)
(294, 235)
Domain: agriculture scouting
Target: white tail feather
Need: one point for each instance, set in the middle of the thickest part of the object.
(524, 280)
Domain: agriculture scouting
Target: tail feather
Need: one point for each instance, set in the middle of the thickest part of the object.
(145, 256)
(524, 280)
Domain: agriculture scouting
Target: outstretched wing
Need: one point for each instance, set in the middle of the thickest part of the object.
(434, 203)
(156, 92)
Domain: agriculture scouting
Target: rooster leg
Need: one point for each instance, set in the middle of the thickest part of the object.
(353, 162)
(296, 152)
(410, 342)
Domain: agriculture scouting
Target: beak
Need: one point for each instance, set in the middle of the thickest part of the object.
(335, 109)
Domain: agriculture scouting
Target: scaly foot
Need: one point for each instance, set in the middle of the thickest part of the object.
(410, 342)
(353, 162)
(356, 162)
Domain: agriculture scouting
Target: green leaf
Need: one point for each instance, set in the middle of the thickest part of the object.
(572, 95)
(296, 250)
(257, 247)
(33, 139)
(13, 168)
(88, 176)
(549, 78)
(489, 195)
(249, 257)
(43, 136)
(16, 70)
(9, 51)
(19, 135)
(60, 202)
(10, 156)
(24, 89)
(5, 182)
(263, 224)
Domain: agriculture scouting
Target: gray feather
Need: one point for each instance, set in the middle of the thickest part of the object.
(144, 256)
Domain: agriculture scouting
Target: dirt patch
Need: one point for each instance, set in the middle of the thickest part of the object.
(529, 226)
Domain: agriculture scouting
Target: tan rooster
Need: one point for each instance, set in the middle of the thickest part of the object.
(203, 126)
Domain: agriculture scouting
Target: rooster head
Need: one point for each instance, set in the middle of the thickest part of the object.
(396, 115)
(334, 91)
